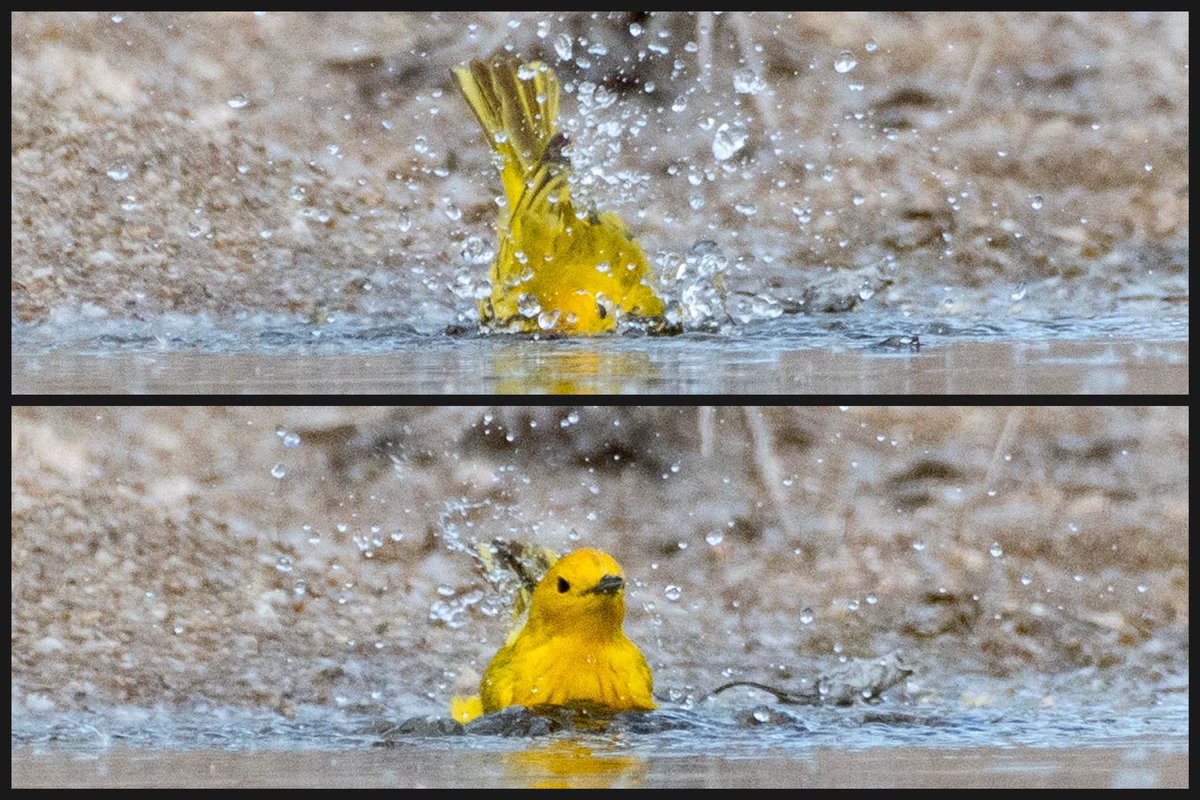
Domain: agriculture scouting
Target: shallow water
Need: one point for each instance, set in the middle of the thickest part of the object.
(1067, 745)
(834, 354)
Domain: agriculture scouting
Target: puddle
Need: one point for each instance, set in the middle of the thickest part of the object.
(1064, 746)
(838, 354)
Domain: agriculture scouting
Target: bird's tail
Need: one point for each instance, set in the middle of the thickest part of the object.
(517, 107)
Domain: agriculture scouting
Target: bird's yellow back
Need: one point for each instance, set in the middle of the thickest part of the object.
(556, 269)
(572, 649)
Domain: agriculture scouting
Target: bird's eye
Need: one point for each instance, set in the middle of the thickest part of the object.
(563, 586)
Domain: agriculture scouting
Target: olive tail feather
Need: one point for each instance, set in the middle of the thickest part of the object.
(516, 105)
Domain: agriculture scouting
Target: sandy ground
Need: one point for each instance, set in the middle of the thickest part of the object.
(263, 557)
(313, 164)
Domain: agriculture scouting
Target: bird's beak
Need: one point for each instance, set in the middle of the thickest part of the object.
(609, 584)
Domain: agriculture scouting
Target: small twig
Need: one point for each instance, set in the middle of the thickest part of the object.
(1006, 435)
(769, 468)
(762, 100)
(983, 60)
(704, 53)
(706, 431)
(782, 695)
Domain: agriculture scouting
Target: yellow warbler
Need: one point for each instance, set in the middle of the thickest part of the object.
(557, 268)
(571, 650)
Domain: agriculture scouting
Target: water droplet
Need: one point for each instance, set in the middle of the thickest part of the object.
(745, 81)
(284, 564)
(548, 319)
(918, 546)
(714, 538)
(238, 101)
(764, 307)
(1036, 202)
(563, 46)
(476, 251)
(852, 605)
(806, 616)
(728, 140)
(1026, 580)
(1148, 166)
(278, 471)
(119, 172)
(996, 550)
(872, 599)
(528, 306)
(845, 62)
(761, 714)
(680, 103)
(870, 46)
(1142, 588)
(290, 439)
(421, 144)
(673, 593)
(635, 29)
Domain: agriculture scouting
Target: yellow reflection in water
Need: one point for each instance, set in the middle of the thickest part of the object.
(568, 764)
(547, 369)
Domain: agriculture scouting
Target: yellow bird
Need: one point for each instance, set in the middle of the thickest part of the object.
(572, 649)
(557, 268)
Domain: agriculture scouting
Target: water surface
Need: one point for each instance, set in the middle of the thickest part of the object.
(833, 354)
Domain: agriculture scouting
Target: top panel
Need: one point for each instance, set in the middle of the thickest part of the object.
(614, 203)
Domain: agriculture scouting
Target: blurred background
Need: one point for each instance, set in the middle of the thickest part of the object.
(227, 165)
(270, 557)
